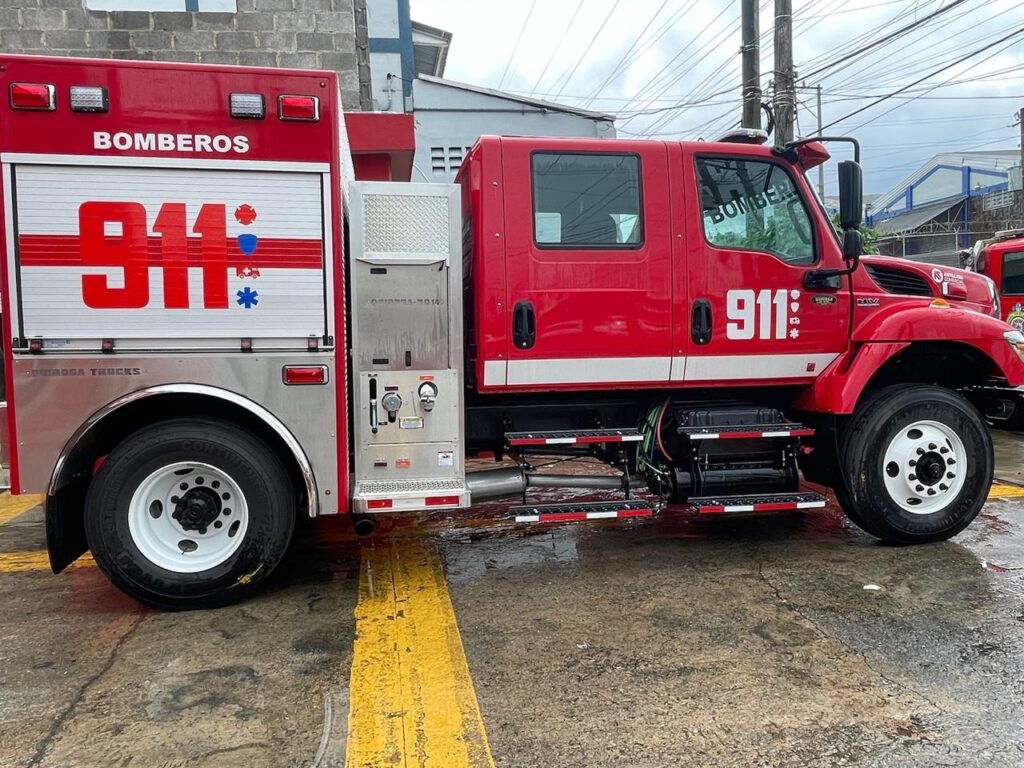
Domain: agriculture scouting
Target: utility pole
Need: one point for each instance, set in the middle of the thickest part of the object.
(821, 168)
(784, 99)
(751, 55)
(1020, 122)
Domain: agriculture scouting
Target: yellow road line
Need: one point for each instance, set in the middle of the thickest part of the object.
(998, 491)
(12, 506)
(37, 560)
(412, 701)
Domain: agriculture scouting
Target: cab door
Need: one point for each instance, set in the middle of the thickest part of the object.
(588, 266)
(754, 236)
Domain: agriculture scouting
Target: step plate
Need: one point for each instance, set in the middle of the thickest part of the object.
(595, 510)
(574, 437)
(747, 432)
(383, 496)
(777, 502)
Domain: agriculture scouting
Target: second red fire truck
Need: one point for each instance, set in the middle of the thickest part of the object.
(208, 331)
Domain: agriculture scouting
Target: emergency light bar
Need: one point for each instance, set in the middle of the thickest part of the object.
(88, 98)
(292, 107)
(35, 96)
(248, 106)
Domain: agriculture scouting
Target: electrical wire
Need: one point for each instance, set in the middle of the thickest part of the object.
(590, 45)
(515, 48)
(556, 48)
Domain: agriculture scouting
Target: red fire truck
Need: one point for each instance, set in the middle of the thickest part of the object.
(1001, 259)
(210, 330)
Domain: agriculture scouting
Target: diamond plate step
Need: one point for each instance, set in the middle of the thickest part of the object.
(574, 437)
(747, 432)
(772, 502)
(572, 512)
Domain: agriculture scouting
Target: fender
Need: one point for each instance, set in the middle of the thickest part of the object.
(305, 467)
(890, 331)
(65, 530)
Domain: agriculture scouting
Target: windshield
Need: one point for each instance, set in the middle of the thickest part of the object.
(821, 207)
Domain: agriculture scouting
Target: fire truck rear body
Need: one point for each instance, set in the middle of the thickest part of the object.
(170, 263)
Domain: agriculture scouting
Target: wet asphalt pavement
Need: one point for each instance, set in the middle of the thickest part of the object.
(669, 642)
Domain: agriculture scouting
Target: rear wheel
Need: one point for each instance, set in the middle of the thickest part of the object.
(189, 514)
(917, 462)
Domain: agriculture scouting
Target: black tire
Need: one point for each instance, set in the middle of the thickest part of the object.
(258, 472)
(874, 425)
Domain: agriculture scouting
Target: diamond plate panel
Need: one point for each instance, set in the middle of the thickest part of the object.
(406, 224)
(377, 487)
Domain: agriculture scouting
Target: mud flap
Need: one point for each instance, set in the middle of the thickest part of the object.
(65, 525)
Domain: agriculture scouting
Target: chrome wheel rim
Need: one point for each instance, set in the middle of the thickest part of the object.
(924, 467)
(188, 517)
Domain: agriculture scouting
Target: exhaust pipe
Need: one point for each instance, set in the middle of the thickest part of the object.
(364, 526)
(495, 483)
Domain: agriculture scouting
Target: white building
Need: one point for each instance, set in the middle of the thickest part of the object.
(451, 116)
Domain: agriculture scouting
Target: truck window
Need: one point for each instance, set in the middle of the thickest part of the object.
(586, 200)
(754, 205)
(1013, 274)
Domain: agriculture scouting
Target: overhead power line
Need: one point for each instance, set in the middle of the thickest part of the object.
(555, 49)
(587, 49)
(882, 40)
(930, 75)
(515, 48)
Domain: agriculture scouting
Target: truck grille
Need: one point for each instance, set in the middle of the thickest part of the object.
(898, 281)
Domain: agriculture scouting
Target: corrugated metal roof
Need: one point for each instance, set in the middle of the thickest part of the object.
(918, 217)
(984, 159)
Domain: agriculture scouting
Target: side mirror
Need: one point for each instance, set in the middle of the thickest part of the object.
(853, 245)
(851, 195)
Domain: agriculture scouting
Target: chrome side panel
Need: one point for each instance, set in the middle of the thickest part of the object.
(57, 398)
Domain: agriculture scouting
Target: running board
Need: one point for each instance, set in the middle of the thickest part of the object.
(775, 502)
(574, 437)
(747, 432)
(592, 510)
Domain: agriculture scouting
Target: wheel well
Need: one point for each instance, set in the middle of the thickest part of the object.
(946, 364)
(65, 506)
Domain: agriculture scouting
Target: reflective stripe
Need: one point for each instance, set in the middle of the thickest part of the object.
(612, 370)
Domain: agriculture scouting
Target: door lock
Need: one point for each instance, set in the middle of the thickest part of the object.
(392, 403)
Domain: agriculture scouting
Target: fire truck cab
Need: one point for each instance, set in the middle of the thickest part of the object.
(210, 327)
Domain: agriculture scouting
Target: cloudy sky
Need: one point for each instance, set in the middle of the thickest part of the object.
(642, 59)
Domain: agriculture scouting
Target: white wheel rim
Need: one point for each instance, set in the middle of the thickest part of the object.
(925, 467)
(188, 517)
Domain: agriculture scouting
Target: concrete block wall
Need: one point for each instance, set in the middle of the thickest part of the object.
(305, 34)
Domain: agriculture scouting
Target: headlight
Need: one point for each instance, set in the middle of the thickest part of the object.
(993, 294)
(1016, 340)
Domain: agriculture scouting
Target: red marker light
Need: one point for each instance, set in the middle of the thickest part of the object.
(291, 107)
(35, 96)
(305, 374)
(379, 504)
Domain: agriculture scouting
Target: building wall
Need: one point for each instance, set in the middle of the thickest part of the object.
(389, 36)
(450, 120)
(306, 34)
(995, 212)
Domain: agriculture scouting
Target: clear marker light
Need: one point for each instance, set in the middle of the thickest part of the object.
(89, 98)
(248, 106)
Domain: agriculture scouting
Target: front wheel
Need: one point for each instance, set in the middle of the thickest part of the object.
(917, 462)
(189, 514)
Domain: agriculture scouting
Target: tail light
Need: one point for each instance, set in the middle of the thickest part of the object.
(88, 98)
(35, 96)
(305, 374)
(292, 107)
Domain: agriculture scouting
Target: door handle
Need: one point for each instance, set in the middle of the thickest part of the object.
(700, 322)
(524, 325)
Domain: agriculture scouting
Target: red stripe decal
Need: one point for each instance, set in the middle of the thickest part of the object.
(442, 501)
(636, 513)
(719, 510)
(739, 435)
(282, 253)
(528, 441)
(605, 439)
(775, 506)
